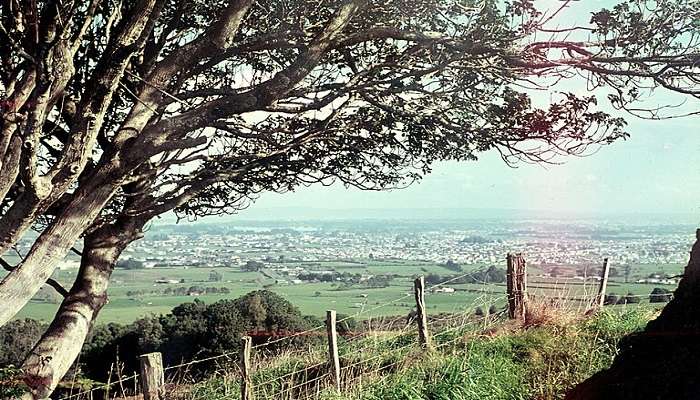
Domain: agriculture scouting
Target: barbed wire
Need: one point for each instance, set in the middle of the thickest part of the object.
(452, 317)
(295, 372)
(100, 387)
(287, 337)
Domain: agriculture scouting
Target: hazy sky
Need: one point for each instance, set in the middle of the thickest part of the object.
(656, 170)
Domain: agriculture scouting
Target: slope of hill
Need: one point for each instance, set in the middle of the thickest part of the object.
(485, 359)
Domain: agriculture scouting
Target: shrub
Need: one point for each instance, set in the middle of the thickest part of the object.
(192, 330)
(660, 295)
(633, 298)
(11, 385)
(17, 338)
(611, 299)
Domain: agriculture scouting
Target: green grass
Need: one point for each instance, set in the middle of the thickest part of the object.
(513, 363)
(125, 309)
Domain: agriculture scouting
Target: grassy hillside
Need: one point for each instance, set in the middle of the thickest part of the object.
(492, 360)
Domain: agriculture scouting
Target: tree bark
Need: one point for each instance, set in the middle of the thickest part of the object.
(661, 362)
(58, 348)
(88, 122)
(20, 285)
(9, 168)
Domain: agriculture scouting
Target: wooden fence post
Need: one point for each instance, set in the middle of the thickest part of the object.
(244, 359)
(600, 299)
(421, 317)
(516, 286)
(333, 347)
(152, 376)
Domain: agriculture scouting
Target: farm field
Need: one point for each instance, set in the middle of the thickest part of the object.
(314, 298)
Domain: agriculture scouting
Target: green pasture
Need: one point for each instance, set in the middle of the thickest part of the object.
(316, 298)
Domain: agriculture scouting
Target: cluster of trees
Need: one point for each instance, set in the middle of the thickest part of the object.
(657, 295)
(629, 298)
(491, 274)
(189, 331)
(215, 276)
(179, 291)
(334, 276)
(17, 339)
(452, 266)
(348, 279)
(130, 264)
(253, 266)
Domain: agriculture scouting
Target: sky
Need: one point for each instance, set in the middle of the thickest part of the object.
(654, 171)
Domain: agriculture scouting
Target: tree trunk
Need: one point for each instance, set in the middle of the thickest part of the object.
(20, 285)
(60, 345)
(9, 168)
(661, 362)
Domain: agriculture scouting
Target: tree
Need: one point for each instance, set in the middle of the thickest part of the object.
(452, 266)
(628, 273)
(16, 340)
(268, 311)
(130, 264)
(115, 113)
(253, 266)
(215, 276)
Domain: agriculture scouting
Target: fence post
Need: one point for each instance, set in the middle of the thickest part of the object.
(600, 300)
(421, 317)
(516, 286)
(333, 347)
(152, 376)
(244, 359)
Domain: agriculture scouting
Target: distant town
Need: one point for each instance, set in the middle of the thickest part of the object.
(544, 244)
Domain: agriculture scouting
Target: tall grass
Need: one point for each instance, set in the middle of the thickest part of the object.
(472, 360)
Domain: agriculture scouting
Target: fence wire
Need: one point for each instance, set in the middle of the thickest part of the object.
(457, 318)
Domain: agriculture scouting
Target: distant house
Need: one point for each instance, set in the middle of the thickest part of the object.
(166, 281)
(444, 290)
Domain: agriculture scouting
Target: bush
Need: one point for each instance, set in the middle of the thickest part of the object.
(633, 298)
(611, 299)
(253, 266)
(11, 385)
(346, 324)
(17, 338)
(192, 330)
(130, 264)
(660, 295)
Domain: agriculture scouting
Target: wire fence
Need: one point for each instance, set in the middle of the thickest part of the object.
(308, 378)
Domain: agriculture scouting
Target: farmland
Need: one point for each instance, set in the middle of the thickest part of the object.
(316, 297)
(372, 264)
